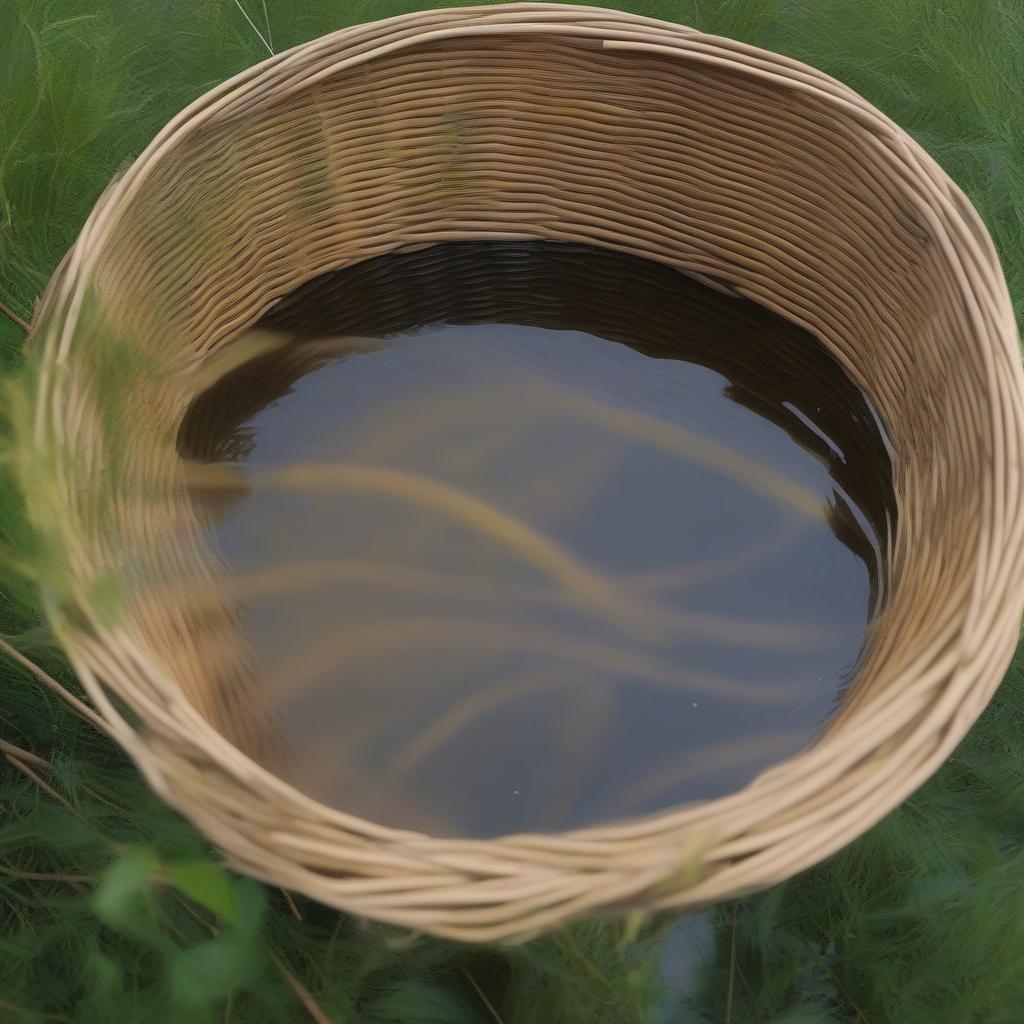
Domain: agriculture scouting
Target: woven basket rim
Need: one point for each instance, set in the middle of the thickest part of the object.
(793, 815)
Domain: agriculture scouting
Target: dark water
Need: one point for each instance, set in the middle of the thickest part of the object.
(563, 536)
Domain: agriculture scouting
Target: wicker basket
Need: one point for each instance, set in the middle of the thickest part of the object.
(530, 121)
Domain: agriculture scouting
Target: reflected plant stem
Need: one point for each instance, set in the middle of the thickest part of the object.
(623, 605)
(466, 633)
(625, 423)
(788, 533)
(590, 726)
(462, 714)
(671, 437)
(692, 764)
(541, 551)
(255, 586)
(451, 424)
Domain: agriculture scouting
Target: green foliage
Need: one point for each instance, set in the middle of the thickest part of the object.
(113, 909)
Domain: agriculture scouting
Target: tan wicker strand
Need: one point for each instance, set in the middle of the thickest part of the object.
(520, 122)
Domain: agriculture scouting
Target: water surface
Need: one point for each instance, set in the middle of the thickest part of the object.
(534, 536)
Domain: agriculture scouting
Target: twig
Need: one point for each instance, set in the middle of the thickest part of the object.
(254, 28)
(25, 755)
(83, 709)
(43, 876)
(291, 904)
(72, 880)
(266, 18)
(483, 998)
(302, 993)
(14, 318)
(842, 991)
(41, 783)
(40, 762)
(16, 760)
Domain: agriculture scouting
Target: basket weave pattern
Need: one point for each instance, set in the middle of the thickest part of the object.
(533, 121)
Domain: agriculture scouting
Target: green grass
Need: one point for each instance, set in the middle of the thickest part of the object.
(113, 909)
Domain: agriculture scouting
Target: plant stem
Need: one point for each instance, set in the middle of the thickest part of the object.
(14, 318)
(483, 998)
(732, 971)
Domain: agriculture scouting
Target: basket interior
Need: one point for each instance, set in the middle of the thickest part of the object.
(755, 187)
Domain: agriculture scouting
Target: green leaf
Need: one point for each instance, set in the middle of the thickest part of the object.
(208, 884)
(211, 970)
(123, 888)
(250, 904)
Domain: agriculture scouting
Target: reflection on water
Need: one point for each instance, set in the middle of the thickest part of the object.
(532, 536)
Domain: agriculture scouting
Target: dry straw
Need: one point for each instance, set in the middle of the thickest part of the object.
(528, 121)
